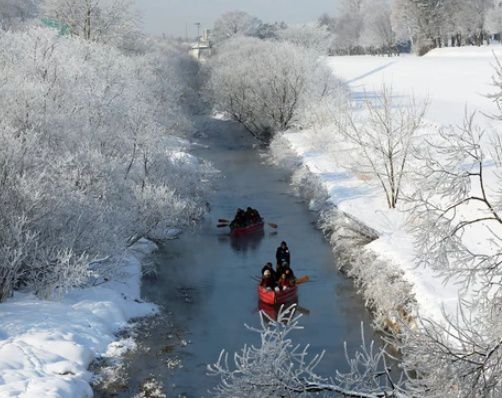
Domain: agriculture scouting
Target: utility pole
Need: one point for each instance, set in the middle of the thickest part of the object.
(198, 39)
(198, 31)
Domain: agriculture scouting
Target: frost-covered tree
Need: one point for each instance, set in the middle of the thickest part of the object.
(348, 26)
(311, 37)
(105, 21)
(458, 223)
(327, 21)
(270, 31)
(264, 85)
(436, 23)
(384, 137)
(419, 21)
(465, 21)
(377, 30)
(13, 12)
(91, 157)
(494, 19)
(459, 357)
(457, 202)
(235, 23)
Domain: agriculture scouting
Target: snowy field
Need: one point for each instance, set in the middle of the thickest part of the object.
(46, 347)
(452, 80)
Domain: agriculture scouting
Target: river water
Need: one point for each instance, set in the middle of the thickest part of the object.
(206, 285)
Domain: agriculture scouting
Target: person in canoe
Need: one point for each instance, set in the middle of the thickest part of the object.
(252, 216)
(284, 282)
(281, 267)
(290, 276)
(270, 268)
(267, 280)
(239, 219)
(282, 254)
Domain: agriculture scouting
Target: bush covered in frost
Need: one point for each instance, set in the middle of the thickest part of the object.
(91, 155)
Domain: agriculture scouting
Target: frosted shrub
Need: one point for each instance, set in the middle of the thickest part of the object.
(277, 367)
(265, 85)
(16, 242)
(87, 134)
(56, 273)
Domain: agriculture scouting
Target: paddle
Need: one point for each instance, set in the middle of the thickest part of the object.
(302, 279)
(222, 225)
(223, 220)
(303, 310)
(272, 225)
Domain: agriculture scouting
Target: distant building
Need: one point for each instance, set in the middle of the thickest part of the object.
(202, 48)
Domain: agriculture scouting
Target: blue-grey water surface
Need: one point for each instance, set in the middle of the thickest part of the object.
(205, 283)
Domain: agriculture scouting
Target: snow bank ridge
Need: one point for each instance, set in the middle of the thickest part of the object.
(381, 283)
(46, 347)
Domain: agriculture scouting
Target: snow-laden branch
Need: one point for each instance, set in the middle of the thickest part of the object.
(384, 138)
(279, 367)
(458, 200)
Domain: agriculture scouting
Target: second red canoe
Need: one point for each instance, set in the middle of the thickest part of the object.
(238, 231)
(280, 297)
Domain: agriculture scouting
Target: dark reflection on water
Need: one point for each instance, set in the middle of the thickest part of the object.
(247, 242)
(206, 281)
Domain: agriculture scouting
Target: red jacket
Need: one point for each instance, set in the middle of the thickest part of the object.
(284, 282)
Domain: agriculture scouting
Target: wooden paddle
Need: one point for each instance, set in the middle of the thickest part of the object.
(223, 220)
(272, 225)
(222, 225)
(303, 310)
(302, 279)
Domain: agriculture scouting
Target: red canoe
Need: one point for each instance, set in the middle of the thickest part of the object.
(237, 231)
(281, 297)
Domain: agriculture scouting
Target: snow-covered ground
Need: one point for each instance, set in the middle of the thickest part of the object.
(46, 347)
(452, 80)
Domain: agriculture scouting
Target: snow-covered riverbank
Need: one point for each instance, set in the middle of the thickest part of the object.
(385, 270)
(46, 347)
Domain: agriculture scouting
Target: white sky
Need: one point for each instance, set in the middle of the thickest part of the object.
(174, 16)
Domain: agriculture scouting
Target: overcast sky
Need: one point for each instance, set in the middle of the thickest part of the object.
(173, 16)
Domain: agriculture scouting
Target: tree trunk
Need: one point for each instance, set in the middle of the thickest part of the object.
(87, 31)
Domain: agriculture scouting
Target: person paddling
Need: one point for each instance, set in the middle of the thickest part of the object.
(282, 254)
(290, 276)
(239, 219)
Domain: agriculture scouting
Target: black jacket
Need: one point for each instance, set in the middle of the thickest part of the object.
(265, 267)
(282, 254)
